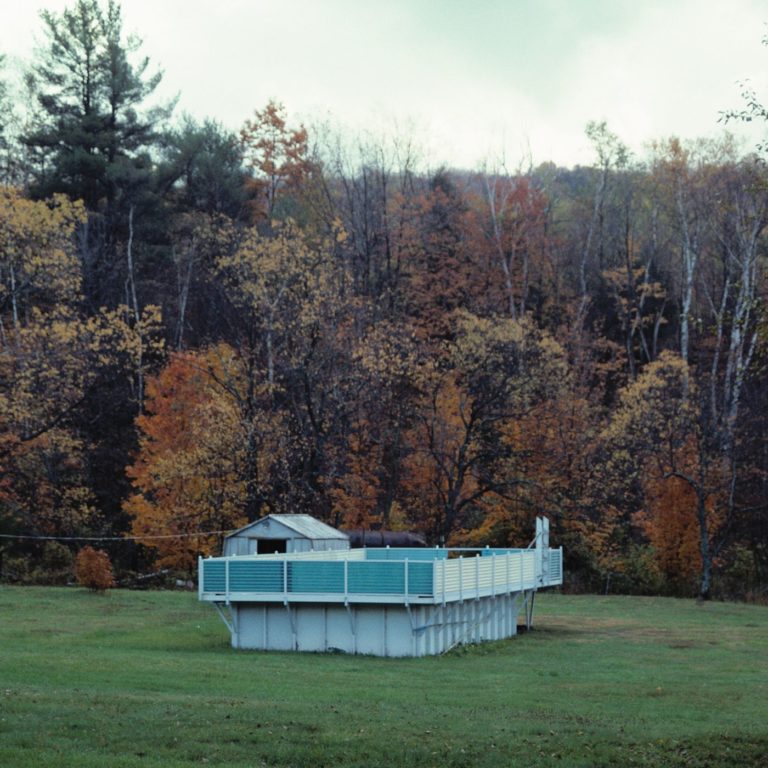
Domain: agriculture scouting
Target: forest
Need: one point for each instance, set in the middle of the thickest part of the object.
(201, 326)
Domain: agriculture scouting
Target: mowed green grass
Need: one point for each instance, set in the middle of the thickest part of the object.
(149, 679)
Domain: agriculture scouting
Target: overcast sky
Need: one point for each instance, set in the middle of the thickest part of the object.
(471, 78)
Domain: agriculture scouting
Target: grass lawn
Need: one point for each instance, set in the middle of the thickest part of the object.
(148, 679)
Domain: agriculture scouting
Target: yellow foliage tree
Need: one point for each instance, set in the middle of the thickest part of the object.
(657, 438)
(52, 357)
(38, 264)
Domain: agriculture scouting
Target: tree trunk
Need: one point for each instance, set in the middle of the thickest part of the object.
(136, 314)
(253, 498)
(705, 584)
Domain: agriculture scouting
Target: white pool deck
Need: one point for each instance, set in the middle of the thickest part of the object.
(389, 602)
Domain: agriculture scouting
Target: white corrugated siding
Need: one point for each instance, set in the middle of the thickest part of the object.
(468, 575)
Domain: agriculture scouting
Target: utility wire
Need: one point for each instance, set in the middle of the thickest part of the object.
(111, 538)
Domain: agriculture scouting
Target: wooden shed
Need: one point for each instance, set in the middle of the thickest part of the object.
(284, 534)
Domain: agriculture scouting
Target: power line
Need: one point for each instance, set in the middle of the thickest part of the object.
(23, 536)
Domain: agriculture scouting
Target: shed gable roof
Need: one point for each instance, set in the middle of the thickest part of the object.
(305, 525)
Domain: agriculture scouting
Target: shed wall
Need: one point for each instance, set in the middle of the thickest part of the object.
(247, 545)
(317, 545)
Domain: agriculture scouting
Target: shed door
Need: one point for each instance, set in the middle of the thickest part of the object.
(270, 546)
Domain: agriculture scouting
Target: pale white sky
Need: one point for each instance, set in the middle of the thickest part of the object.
(471, 78)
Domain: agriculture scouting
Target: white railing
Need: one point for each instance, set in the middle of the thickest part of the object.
(555, 575)
(496, 574)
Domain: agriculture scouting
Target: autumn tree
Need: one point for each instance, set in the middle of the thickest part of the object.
(593, 302)
(556, 448)
(277, 155)
(94, 570)
(611, 154)
(280, 302)
(683, 174)
(189, 477)
(461, 451)
(670, 523)
(376, 343)
(52, 358)
(734, 290)
(640, 300)
(371, 455)
(719, 205)
(376, 191)
(512, 215)
(438, 263)
(659, 436)
(197, 240)
(39, 268)
(266, 282)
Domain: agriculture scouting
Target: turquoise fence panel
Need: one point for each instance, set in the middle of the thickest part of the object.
(315, 577)
(406, 553)
(374, 577)
(420, 579)
(214, 578)
(252, 576)
(377, 578)
(388, 578)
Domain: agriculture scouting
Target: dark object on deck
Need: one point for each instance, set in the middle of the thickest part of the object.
(361, 538)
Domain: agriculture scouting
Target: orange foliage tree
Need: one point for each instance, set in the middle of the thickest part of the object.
(277, 155)
(356, 493)
(93, 569)
(188, 476)
(436, 258)
(555, 444)
(669, 522)
(510, 223)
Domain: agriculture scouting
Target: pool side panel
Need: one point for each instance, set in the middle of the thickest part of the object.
(377, 630)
